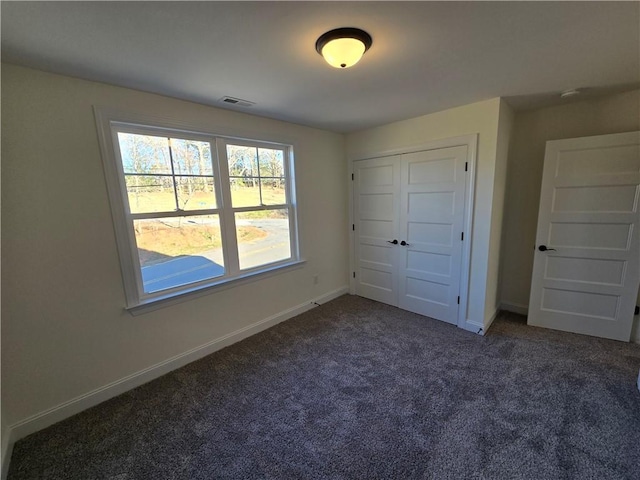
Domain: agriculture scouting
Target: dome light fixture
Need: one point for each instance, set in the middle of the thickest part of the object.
(343, 47)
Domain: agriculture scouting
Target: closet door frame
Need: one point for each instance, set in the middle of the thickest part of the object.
(471, 142)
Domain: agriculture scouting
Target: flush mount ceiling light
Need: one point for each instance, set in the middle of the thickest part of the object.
(343, 47)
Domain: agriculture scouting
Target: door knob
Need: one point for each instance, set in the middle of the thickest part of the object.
(395, 242)
(543, 248)
(404, 244)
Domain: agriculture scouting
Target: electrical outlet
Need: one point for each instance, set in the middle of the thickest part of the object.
(315, 279)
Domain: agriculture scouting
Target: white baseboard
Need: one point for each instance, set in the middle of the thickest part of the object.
(477, 327)
(53, 415)
(473, 327)
(515, 308)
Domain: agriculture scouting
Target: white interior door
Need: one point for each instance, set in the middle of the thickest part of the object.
(431, 222)
(586, 281)
(376, 215)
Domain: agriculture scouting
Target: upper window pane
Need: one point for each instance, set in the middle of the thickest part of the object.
(191, 157)
(245, 192)
(271, 162)
(150, 193)
(272, 191)
(196, 193)
(257, 176)
(144, 153)
(243, 161)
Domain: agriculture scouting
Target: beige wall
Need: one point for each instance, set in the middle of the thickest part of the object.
(479, 118)
(64, 330)
(613, 114)
(505, 128)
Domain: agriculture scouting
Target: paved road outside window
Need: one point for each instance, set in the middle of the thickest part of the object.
(194, 268)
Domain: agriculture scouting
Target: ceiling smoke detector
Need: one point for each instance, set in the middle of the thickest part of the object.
(570, 93)
(237, 101)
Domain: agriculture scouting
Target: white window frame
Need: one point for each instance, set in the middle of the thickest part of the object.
(109, 123)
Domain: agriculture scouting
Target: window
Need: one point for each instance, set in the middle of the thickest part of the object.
(197, 210)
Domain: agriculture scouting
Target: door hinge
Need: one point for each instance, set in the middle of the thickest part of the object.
(458, 299)
(462, 236)
(466, 166)
(354, 274)
(353, 227)
(352, 177)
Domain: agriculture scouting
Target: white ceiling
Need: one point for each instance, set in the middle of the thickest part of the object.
(426, 56)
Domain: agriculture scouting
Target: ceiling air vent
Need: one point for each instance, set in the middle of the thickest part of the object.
(237, 101)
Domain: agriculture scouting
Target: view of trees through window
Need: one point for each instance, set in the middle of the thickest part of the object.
(172, 190)
(160, 178)
(256, 176)
(257, 179)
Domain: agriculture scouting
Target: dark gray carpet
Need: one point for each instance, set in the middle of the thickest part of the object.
(359, 390)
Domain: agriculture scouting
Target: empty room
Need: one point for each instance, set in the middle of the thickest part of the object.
(320, 240)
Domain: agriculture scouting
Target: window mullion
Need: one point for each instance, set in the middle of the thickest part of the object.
(261, 208)
(227, 217)
(293, 231)
(290, 197)
(134, 289)
(173, 174)
(174, 213)
(259, 179)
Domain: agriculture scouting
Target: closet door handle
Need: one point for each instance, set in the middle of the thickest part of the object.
(395, 242)
(543, 248)
(404, 244)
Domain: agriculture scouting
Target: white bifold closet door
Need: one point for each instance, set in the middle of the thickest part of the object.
(409, 216)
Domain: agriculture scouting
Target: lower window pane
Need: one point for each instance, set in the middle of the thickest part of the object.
(263, 237)
(178, 251)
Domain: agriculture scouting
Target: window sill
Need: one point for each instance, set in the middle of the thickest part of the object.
(151, 304)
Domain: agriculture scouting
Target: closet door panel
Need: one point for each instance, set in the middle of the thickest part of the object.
(431, 222)
(376, 207)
